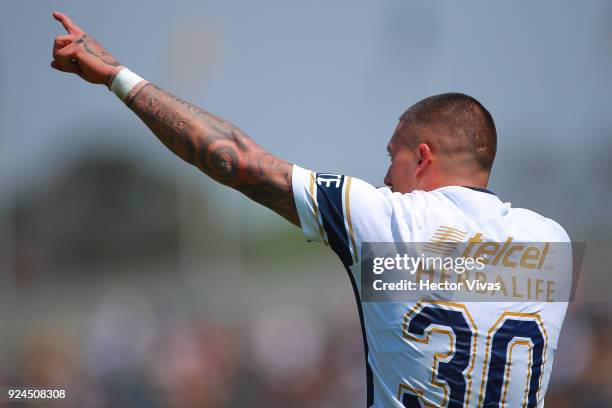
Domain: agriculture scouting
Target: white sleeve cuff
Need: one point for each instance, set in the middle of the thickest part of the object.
(304, 194)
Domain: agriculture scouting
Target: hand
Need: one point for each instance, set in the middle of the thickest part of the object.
(80, 54)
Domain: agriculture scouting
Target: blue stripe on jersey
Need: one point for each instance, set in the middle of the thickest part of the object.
(329, 199)
(369, 375)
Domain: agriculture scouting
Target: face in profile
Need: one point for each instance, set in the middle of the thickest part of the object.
(405, 163)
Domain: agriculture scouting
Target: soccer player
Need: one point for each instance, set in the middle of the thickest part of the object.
(427, 353)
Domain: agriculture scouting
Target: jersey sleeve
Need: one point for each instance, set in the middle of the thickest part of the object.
(339, 211)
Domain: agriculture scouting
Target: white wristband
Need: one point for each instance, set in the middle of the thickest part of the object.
(123, 83)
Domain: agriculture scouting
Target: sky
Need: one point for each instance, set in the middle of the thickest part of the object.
(321, 84)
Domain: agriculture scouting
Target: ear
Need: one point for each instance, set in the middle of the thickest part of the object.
(423, 157)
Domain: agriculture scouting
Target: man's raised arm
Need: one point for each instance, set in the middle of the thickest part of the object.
(202, 139)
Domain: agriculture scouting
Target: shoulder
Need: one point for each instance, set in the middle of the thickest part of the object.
(550, 229)
(415, 199)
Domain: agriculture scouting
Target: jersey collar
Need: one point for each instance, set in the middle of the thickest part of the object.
(480, 189)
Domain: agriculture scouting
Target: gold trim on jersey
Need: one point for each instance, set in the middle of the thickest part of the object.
(417, 393)
(437, 356)
(347, 209)
(315, 207)
(513, 343)
(536, 317)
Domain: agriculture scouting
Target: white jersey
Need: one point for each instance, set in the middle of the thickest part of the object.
(436, 353)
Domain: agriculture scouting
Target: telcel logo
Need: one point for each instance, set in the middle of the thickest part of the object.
(491, 253)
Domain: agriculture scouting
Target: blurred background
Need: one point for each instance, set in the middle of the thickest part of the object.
(131, 280)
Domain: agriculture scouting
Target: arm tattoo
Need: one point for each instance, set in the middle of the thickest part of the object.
(216, 147)
(89, 44)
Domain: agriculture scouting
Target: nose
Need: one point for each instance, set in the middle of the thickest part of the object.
(387, 179)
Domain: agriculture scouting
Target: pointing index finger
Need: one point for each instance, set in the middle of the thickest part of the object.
(67, 23)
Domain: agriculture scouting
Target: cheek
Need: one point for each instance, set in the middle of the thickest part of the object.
(401, 173)
(395, 172)
(401, 167)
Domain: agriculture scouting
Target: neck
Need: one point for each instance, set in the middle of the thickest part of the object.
(480, 181)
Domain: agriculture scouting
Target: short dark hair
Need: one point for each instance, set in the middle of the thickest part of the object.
(465, 129)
